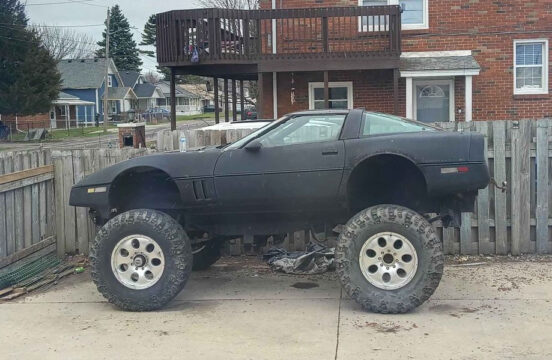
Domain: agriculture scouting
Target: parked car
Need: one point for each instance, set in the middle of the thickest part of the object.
(210, 108)
(250, 113)
(378, 174)
(156, 113)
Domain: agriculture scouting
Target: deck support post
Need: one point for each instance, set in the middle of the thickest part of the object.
(396, 91)
(173, 100)
(226, 114)
(217, 102)
(326, 90)
(260, 94)
(234, 102)
(242, 101)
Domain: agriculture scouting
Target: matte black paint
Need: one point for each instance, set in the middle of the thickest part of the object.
(227, 190)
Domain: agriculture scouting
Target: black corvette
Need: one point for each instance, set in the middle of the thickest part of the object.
(374, 172)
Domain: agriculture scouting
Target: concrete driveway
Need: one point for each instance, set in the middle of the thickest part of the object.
(501, 309)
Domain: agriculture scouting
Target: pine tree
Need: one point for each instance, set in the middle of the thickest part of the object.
(122, 47)
(149, 36)
(149, 39)
(29, 80)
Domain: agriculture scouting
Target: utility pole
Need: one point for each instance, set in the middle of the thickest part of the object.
(106, 82)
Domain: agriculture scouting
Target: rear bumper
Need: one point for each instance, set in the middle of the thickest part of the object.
(443, 179)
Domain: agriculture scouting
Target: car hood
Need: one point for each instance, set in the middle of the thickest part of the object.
(175, 164)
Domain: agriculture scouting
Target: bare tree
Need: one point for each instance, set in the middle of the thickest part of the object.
(152, 77)
(229, 4)
(65, 43)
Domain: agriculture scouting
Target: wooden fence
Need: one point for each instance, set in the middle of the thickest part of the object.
(27, 226)
(34, 210)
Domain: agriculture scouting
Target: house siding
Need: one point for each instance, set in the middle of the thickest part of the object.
(487, 28)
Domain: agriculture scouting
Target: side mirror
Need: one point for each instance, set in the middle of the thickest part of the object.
(254, 146)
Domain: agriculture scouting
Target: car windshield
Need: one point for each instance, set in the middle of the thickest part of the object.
(255, 134)
(378, 123)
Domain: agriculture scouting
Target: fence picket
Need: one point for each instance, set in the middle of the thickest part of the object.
(501, 212)
(19, 198)
(35, 216)
(10, 211)
(483, 232)
(543, 188)
(3, 211)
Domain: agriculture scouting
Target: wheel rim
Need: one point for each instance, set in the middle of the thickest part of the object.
(388, 261)
(137, 262)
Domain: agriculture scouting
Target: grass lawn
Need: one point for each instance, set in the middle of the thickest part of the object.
(195, 117)
(61, 134)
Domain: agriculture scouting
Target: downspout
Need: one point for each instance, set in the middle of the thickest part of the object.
(274, 74)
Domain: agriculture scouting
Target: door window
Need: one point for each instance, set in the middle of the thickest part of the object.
(434, 101)
(305, 129)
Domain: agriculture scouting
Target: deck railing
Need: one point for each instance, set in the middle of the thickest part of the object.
(211, 36)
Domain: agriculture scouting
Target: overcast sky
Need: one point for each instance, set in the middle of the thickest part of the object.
(67, 13)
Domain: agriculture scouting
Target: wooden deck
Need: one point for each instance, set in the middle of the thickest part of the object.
(242, 43)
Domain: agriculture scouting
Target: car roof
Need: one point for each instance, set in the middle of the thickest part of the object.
(321, 112)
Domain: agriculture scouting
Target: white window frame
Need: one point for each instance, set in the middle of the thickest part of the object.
(320, 85)
(545, 66)
(450, 82)
(423, 26)
(110, 81)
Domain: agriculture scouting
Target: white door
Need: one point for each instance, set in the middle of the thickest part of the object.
(434, 100)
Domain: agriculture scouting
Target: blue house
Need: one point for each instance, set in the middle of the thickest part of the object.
(81, 96)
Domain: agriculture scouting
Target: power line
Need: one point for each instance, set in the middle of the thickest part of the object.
(83, 2)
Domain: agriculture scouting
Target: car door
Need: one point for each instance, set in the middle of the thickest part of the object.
(298, 167)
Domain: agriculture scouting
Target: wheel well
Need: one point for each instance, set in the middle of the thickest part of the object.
(386, 179)
(144, 188)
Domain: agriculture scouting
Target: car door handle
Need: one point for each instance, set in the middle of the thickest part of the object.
(330, 151)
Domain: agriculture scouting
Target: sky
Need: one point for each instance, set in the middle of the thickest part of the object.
(71, 12)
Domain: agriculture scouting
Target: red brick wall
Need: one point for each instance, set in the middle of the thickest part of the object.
(28, 122)
(486, 27)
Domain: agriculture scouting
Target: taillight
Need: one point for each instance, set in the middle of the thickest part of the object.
(455, 170)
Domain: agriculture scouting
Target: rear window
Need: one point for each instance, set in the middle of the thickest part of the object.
(377, 123)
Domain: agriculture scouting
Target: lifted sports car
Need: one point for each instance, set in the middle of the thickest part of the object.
(375, 173)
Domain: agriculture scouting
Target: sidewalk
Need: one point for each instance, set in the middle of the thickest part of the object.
(240, 310)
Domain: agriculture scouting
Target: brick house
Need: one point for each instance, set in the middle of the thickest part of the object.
(431, 60)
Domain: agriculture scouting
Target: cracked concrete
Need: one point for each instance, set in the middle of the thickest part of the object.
(240, 310)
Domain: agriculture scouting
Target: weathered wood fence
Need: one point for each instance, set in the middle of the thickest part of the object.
(27, 226)
(35, 187)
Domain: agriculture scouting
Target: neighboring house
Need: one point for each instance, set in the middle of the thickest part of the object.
(147, 94)
(186, 102)
(82, 93)
(207, 95)
(436, 60)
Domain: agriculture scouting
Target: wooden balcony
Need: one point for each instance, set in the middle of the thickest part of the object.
(222, 42)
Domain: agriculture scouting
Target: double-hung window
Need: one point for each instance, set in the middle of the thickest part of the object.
(530, 67)
(340, 95)
(414, 16)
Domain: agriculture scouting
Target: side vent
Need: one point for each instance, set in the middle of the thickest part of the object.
(201, 190)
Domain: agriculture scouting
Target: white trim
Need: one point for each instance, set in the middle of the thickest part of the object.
(424, 54)
(545, 65)
(274, 33)
(450, 82)
(275, 94)
(109, 81)
(468, 97)
(409, 98)
(320, 85)
(97, 103)
(440, 73)
(423, 26)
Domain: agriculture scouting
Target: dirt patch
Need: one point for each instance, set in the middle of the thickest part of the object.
(387, 327)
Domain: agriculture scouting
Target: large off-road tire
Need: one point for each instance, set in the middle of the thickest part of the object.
(206, 254)
(392, 240)
(141, 260)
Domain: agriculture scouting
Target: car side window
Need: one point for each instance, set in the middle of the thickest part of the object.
(375, 123)
(305, 129)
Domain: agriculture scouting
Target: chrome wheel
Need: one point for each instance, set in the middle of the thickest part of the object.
(137, 262)
(388, 260)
